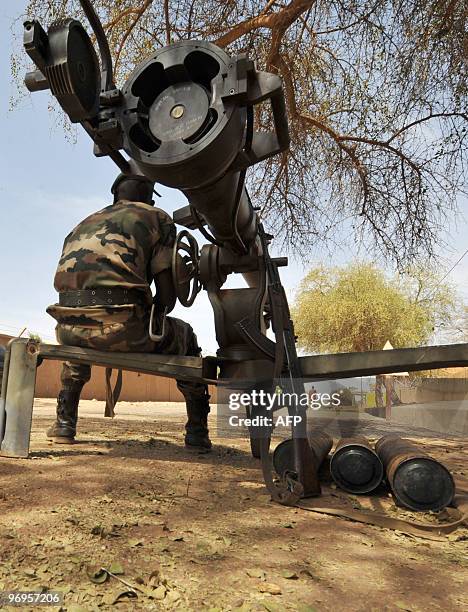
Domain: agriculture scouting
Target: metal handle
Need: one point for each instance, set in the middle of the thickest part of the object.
(280, 119)
(265, 86)
(107, 71)
(157, 337)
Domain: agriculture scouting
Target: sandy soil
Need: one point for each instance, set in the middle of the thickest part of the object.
(199, 532)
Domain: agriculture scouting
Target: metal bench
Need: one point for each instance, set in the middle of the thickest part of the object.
(23, 357)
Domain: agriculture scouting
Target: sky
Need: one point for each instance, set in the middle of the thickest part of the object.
(48, 184)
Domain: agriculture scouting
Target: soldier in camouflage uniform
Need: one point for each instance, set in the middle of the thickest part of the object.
(103, 278)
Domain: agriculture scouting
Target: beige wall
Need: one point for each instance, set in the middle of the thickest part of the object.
(436, 390)
(136, 387)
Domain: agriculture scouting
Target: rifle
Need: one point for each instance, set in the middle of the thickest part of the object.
(304, 481)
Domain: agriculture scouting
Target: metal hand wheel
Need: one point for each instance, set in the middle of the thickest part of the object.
(191, 260)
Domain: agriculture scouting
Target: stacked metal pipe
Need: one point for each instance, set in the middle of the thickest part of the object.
(355, 467)
(416, 479)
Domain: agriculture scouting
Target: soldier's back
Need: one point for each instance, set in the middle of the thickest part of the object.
(121, 246)
(113, 248)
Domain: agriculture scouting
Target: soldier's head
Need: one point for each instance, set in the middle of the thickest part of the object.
(133, 187)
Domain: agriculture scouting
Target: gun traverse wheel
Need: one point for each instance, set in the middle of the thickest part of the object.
(191, 259)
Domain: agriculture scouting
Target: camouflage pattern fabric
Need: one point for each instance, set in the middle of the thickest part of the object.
(132, 336)
(124, 245)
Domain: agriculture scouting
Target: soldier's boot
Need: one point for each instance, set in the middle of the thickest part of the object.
(63, 431)
(196, 428)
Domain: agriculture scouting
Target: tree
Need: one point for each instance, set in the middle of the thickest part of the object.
(376, 93)
(359, 308)
(461, 326)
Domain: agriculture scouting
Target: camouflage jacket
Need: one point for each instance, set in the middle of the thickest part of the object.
(123, 245)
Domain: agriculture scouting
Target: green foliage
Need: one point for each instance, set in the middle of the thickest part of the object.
(359, 308)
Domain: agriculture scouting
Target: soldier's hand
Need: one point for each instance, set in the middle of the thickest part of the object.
(184, 274)
(165, 292)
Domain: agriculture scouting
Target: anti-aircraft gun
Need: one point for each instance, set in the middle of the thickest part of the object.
(185, 116)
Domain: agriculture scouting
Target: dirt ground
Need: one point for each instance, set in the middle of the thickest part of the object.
(199, 532)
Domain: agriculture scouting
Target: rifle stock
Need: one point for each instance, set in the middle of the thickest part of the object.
(288, 371)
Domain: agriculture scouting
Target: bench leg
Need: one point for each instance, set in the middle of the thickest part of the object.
(19, 380)
(3, 394)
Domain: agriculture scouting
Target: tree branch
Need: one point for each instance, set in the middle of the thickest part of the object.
(139, 14)
(384, 145)
(280, 19)
(428, 118)
(167, 22)
(349, 150)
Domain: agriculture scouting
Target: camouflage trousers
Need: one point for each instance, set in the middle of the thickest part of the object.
(129, 336)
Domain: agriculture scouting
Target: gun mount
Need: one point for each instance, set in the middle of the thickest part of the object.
(185, 118)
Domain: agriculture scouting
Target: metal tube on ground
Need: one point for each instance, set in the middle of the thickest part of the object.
(283, 455)
(355, 467)
(417, 481)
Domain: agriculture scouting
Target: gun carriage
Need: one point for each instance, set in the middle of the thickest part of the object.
(185, 119)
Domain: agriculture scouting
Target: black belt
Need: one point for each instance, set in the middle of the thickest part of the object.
(102, 296)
